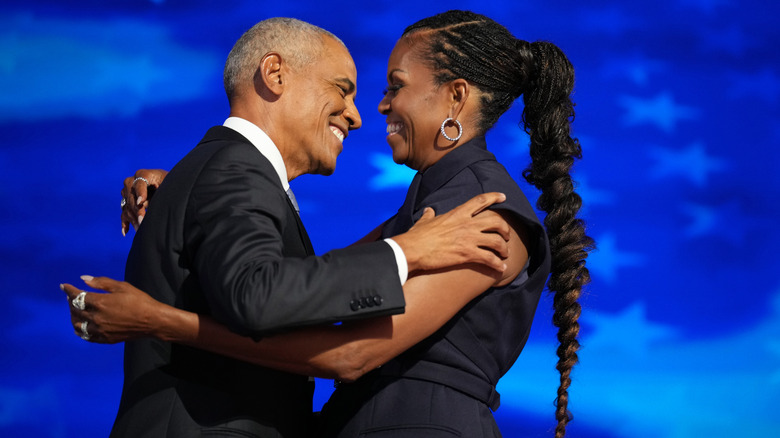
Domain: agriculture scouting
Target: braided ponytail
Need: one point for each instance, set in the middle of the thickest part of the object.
(546, 116)
(462, 44)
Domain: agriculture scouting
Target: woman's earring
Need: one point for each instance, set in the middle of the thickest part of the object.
(460, 129)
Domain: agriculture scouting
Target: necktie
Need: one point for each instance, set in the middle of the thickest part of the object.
(301, 229)
(291, 195)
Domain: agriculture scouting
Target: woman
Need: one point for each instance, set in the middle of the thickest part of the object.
(467, 70)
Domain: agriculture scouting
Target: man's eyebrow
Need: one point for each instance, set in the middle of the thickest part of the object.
(348, 84)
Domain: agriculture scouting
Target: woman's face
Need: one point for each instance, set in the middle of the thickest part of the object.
(414, 107)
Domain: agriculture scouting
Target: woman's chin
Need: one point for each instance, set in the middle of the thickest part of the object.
(399, 160)
(400, 152)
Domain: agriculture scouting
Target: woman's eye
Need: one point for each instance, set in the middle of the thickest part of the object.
(391, 89)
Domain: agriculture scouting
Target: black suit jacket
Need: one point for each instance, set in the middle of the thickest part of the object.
(222, 238)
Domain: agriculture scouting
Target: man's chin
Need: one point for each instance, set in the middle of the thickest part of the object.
(326, 170)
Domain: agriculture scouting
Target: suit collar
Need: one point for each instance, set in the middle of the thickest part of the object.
(263, 143)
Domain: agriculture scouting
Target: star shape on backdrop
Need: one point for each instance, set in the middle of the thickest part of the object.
(607, 259)
(628, 330)
(728, 221)
(636, 68)
(390, 175)
(692, 163)
(764, 84)
(703, 220)
(647, 375)
(660, 110)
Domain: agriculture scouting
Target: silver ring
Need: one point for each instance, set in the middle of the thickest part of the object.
(78, 302)
(84, 333)
(124, 201)
(140, 178)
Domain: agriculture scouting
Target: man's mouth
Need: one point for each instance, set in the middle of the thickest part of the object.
(338, 133)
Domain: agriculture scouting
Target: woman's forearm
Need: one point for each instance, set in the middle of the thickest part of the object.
(349, 350)
(344, 351)
(321, 351)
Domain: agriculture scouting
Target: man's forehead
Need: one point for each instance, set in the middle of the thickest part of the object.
(335, 51)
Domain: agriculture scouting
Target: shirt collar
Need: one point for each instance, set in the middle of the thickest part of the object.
(263, 143)
(451, 164)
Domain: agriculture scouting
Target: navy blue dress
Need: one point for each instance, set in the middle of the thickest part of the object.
(445, 385)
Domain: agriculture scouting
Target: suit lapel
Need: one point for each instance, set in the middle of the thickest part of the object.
(222, 132)
(301, 229)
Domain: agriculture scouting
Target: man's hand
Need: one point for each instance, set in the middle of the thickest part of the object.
(466, 234)
(137, 191)
(122, 314)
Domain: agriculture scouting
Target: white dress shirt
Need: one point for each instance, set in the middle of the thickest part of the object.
(268, 149)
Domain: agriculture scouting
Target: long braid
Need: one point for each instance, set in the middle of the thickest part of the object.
(462, 44)
(546, 116)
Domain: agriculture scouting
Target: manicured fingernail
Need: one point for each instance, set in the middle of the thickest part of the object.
(140, 219)
(87, 277)
(62, 287)
(124, 233)
(139, 201)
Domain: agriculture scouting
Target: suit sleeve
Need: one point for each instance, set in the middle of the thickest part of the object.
(237, 209)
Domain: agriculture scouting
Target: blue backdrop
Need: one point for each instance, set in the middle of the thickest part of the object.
(677, 112)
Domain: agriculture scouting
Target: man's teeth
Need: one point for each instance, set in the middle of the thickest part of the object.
(392, 128)
(337, 132)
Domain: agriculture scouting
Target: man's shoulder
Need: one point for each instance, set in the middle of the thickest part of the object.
(221, 152)
(224, 141)
(223, 146)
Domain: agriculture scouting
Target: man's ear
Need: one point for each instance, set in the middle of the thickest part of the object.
(268, 76)
(459, 90)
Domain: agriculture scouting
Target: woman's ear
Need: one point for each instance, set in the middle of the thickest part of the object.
(459, 93)
(268, 76)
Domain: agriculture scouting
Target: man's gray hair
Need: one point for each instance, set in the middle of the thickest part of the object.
(299, 43)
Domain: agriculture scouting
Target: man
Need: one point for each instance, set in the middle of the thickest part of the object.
(225, 239)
